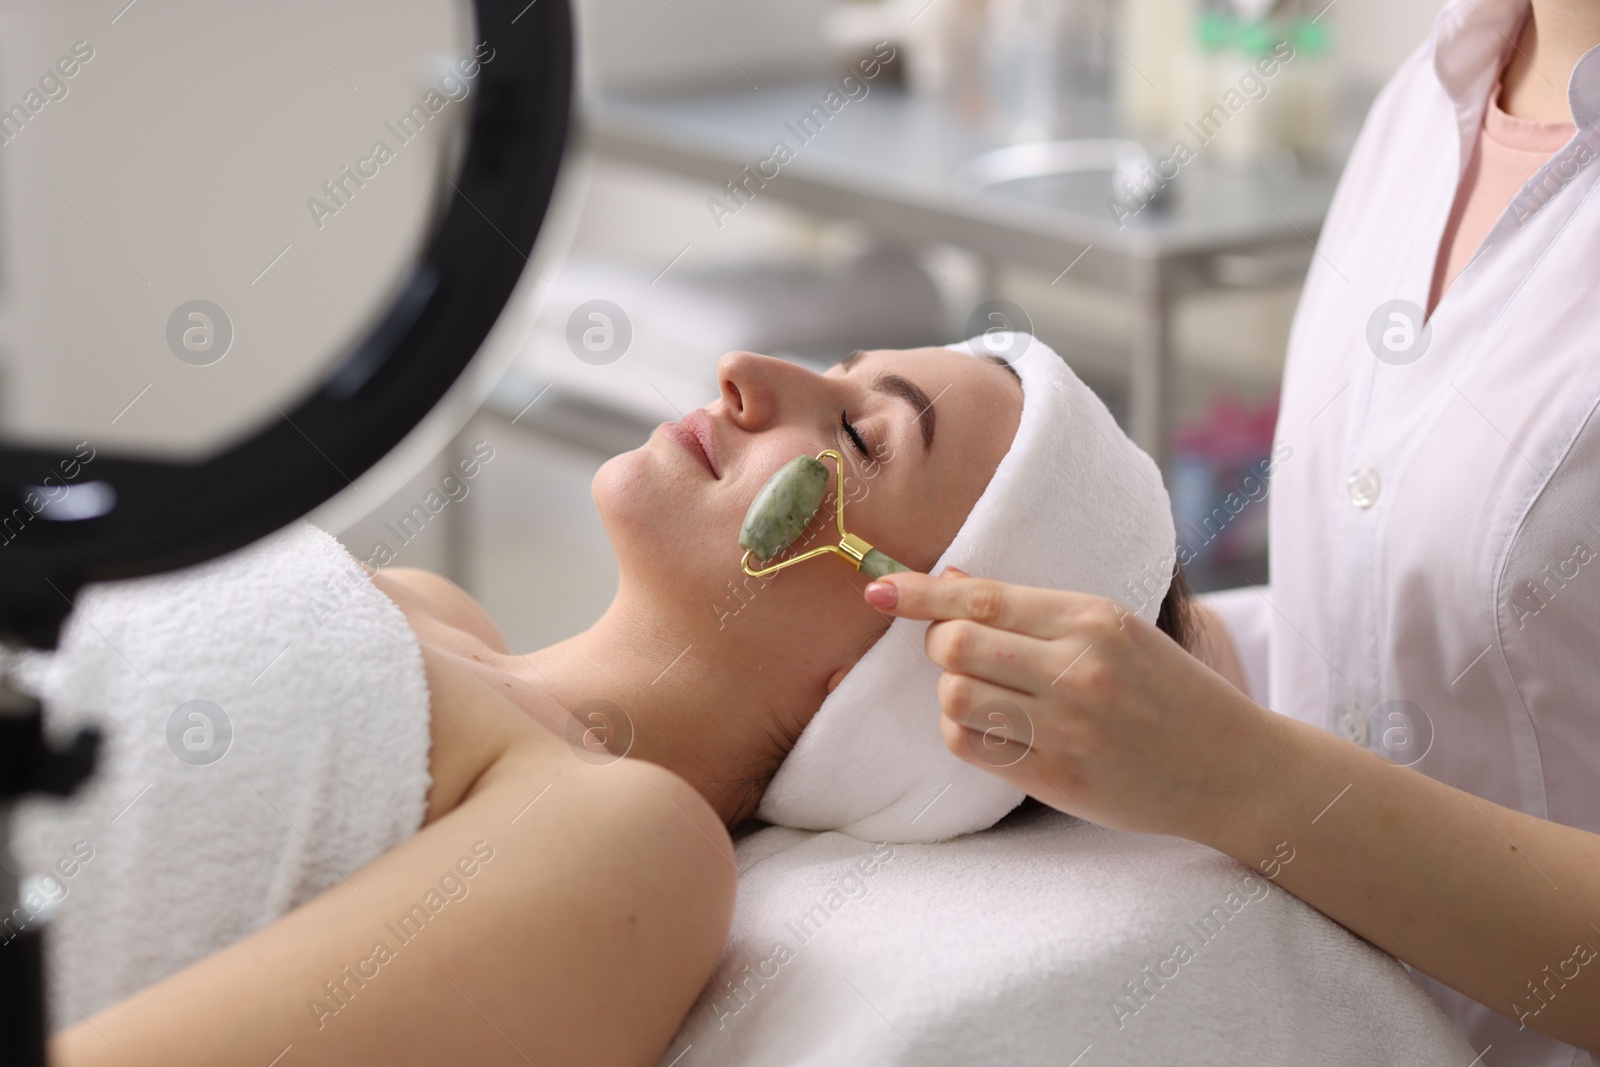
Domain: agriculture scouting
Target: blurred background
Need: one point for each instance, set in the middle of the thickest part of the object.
(1138, 182)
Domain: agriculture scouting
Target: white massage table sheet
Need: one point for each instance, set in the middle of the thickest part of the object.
(1049, 941)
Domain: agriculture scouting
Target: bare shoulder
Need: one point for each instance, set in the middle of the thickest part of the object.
(579, 907)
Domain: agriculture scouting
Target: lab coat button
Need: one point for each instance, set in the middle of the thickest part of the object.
(1364, 486)
(1353, 725)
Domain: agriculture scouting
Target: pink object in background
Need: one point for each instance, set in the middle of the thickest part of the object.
(1222, 462)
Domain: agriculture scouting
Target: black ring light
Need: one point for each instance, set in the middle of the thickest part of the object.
(172, 514)
(373, 396)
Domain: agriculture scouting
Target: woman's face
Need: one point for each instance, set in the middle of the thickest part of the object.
(929, 427)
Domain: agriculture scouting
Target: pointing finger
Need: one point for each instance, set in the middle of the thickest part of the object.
(1044, 613)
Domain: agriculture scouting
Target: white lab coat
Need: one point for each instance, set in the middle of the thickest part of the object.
(1435, 532)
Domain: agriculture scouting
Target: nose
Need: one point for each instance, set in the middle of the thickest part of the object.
(757, 389)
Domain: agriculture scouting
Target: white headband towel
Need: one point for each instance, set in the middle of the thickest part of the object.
(1074, 504)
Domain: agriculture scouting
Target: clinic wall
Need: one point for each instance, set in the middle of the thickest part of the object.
(1373, 37)
(629, 45)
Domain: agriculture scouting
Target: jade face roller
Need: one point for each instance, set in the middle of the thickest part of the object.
(779, 514)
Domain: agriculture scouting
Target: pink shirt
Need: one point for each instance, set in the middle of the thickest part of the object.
(1508, 152)
(1435, 524)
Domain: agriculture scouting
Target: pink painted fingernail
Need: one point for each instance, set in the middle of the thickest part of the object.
(882, 595)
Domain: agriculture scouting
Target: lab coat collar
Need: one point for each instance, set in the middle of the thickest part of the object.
(1583, 91)
(1470, 40)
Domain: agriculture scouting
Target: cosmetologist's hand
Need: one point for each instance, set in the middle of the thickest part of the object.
(1085, 706)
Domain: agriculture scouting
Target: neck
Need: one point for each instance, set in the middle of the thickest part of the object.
(1554, 38)
(631, 683)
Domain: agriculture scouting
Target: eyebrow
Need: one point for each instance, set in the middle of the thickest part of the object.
(895, 385)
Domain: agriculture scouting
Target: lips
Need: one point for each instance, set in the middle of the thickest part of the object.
(698, 424)
(695, 436)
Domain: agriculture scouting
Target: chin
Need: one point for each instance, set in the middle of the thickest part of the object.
(622, 495)
(658, 529)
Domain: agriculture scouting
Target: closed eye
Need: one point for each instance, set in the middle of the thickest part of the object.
(854, 435)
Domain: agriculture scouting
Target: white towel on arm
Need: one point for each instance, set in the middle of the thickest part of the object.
(1074, 504)
(321, 681)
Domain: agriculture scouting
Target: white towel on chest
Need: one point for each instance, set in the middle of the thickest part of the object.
(1073, 505)
(202, 826)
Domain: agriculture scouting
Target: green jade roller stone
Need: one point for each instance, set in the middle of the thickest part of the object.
(785, 504)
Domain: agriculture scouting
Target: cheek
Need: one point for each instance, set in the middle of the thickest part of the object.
(668, 528)
(941, 527)
(912, 529)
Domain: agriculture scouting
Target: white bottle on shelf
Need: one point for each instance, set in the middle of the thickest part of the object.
(1024, 61)
(1154, 76)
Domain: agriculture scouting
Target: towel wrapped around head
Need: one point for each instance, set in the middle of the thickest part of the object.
(1073, 505)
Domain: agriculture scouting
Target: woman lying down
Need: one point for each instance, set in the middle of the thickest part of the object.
(377, 834)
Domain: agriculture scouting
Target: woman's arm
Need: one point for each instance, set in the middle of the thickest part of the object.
(1128, 730)
(1498, 904)
(558, 912)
